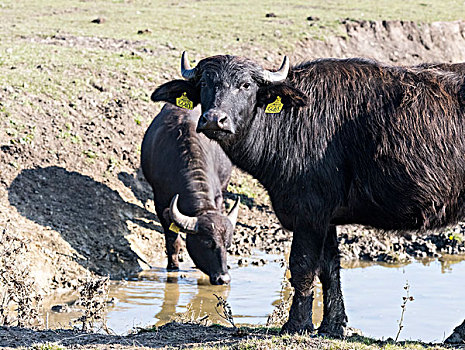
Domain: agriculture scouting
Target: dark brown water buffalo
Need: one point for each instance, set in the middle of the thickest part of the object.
(449, 67)
(335, 142)
(180, 163)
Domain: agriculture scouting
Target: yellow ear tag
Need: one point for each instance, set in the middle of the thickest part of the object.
(274, 107)
(184, 102)
(174, 228)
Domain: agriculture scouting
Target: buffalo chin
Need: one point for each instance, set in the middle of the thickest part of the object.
(216, 135)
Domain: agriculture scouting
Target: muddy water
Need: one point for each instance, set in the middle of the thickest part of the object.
(373, 295)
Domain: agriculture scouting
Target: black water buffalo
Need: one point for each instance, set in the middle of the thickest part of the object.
(449, 67)
(335, 142)
(176, 160)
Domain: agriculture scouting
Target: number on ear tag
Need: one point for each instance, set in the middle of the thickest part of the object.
(274, 107)
(174, 228)
(184, 102)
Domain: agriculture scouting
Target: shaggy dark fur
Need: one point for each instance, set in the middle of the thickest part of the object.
(449, 67)
(178, 160)
(356, 142)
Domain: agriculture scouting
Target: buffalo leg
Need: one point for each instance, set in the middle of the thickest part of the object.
(172, 239)
(306, 250)
(173, 246)
(334, 316)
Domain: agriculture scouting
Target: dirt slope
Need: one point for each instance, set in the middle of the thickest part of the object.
(397, 42)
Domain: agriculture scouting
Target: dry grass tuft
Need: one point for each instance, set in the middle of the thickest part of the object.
(405, 300)
(93, 298)
(225, 311)
(191, 316)
(19, 298)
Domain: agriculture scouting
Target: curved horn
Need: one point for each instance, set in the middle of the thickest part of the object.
(278, 76)
(186, 71)
(232, 216)
(187, 223)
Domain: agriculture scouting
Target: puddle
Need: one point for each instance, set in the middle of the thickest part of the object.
(373, 296)
(372, 293)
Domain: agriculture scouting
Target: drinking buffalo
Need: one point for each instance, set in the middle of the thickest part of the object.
(188, 173)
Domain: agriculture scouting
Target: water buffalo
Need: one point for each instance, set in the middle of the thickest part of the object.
(180, 163)
(449, 67)
(335, 142)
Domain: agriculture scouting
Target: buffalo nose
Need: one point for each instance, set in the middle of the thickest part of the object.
(213, 120)
(224, 278)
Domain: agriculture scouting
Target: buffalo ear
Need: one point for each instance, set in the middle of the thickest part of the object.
(290, 96)
(174, 89)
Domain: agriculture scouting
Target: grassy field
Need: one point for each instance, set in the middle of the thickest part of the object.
(169, 27)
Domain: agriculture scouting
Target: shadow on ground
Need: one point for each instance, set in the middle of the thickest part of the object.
(138, 185)
(89, 215)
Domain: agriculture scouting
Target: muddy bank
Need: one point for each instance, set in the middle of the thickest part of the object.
(396, 42)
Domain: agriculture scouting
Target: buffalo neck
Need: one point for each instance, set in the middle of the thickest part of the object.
(268, 148)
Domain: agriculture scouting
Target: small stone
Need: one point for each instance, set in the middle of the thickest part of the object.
(242, 262)
(99, 20)
(144, 31)
(60, 308)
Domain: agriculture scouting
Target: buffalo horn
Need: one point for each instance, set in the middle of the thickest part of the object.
(186, 70)
(232, 216)
(280, 75)
(186, 223)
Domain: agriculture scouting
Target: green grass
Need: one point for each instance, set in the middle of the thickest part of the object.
(210, 24)
(308, 342)
(47, 346)
(201, 27)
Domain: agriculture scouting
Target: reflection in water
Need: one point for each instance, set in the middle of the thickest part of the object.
(170, 300)
(372, 292)
(202, 303)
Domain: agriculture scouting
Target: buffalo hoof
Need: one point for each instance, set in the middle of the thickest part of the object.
(458, 337)
(338, 331)
(172, 267)
(292, 328)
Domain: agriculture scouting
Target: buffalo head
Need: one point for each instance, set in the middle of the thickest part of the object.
(230, 90)
(208, 237)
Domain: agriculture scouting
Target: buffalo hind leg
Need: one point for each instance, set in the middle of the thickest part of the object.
(305, 252)
(334, 316)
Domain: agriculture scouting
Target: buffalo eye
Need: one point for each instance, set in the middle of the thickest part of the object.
(245, 86)
(203, 83)
(209, 243)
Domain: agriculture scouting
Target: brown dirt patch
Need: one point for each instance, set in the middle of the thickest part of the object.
(398, 42)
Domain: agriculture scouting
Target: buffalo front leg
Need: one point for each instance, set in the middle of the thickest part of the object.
(334, 315)
(303, 262)
(173, 246)
(172, 239)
